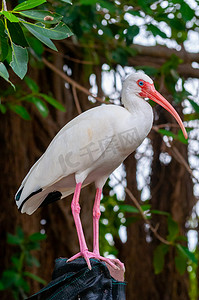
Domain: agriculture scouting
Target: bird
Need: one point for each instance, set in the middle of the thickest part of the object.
(88, 149)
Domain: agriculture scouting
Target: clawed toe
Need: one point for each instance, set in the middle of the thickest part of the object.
(85, 255)
(114, 263)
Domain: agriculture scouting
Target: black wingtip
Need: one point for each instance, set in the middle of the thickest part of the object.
(51, 197)
(18, 195)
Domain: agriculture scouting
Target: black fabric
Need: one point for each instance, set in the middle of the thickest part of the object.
(74, 281)
(52, 197)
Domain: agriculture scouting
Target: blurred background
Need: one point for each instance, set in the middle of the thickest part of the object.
(149, 208)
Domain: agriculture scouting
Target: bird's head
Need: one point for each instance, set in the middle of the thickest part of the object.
(142, 85)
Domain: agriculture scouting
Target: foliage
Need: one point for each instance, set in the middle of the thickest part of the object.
(15, 278)
(16, 31)
(22, 98)
(193, 271)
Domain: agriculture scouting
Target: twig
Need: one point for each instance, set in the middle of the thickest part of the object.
(76, 60)
(79, 110)
(156, 127)
(176, 154)
(70, 80)
(136, 203)
(153, 229)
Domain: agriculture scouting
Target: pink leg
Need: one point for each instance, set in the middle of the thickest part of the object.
(76, 211)
(114, 263)
(96, 216)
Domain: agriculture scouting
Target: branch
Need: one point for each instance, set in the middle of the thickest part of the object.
(70, 80)
(174, 151)
(136, 203)
(178, 156)
(79, 110)
(76, 60)
(164, 52)
(153, 229)
(154, 56)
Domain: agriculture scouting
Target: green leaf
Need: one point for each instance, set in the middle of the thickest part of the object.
(40, 15)
(20, 110)
(35, 277)
(53, 102)
(176, 24)
(14, 239)
(4, 73)
(19, 60)
(31, 84)
(180, 262)
(159, 257)
(88, 2)
(186, 252)
(28, 4)
(167, 132)
(59, 32)
(181, 137)
(145, 5)
(173, 229)
(190, 117)
(156, 31)
(39, 35)
(134, 12)
(3, 108)
(10, 16)
(159, 212)
(40, 105)
(36, 45)
(151, 71)
(37, 236)
(15, 260)
(146, 207)
(17, 34)
(187, 12)
(128, 208)
(2, 287)
(20, 232)
(108, 5)
(132, 31)
(3, 42)
(31, 260)
(4, 47)
(119, 55)
(194, 105)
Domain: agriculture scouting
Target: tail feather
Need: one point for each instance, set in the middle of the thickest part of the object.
(31, 195)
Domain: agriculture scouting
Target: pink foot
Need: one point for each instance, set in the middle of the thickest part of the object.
(114, 263)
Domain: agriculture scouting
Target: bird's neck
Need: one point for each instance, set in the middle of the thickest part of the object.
(136, 105)
(141, 111)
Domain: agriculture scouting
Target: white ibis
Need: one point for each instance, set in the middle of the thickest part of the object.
(88, 149)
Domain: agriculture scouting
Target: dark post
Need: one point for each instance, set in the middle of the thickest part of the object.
(74, 281)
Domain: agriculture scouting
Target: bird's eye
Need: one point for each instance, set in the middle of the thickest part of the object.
(141, 83)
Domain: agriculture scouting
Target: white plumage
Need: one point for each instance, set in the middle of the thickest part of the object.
(88, 149)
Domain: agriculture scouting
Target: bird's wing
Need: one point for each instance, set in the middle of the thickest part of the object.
(74, 149)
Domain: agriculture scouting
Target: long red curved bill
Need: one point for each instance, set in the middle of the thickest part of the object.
(154, 95)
